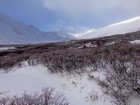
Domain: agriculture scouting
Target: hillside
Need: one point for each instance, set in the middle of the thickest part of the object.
(123, 27)
(16, 32)
(100, 71)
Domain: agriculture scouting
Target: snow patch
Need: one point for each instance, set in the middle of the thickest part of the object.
(135, 42)
(77, 89)
(6, 48)
(89, 45)
(110, 43)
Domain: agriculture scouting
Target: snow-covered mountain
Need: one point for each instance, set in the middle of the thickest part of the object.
(13, 31)
(123, 27)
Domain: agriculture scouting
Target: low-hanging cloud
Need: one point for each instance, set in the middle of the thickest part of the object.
(70, 15)
(96, 8)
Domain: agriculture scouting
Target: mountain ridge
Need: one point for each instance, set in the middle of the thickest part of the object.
(16, 32)
(127, 26)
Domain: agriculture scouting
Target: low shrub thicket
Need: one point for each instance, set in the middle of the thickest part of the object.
(47, 97)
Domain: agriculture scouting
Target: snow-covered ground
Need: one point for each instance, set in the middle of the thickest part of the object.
(79, 90)
(135, 42)
(6, 48)
(130, 25)
(81, 34)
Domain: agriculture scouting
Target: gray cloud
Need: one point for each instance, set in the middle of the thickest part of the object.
(93, 8)
(86, 14)
(70, 15)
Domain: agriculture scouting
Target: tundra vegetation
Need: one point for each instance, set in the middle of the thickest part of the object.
(119, 60)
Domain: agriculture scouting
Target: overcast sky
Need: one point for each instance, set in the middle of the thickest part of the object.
(71, 15)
